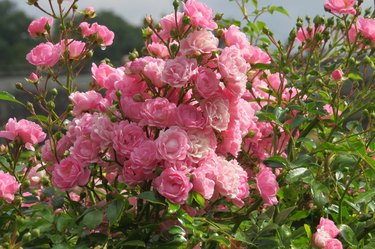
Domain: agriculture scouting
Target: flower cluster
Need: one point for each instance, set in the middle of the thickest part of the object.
(325, 235)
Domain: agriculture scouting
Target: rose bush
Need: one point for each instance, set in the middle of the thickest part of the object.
(215, 136)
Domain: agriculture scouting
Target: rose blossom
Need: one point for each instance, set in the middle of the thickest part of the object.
(145, 155)
(303, 33)
(366, 26)
(45, 54)
(337, 74)
(105, 36)
(84, 150)
(8, 186)
(158, 112)
(199, 42)
(173, 144)
(333, 244)
(216, 110)
(179, 71)
(204, 181)
(340, 6)
(267, 186)
(153, 70)
(39, 27)
(202, 142)
(158, 50)
(69, 173)
(173, 185)
(206, 82)
(188, 116)
(168, 24)
(329, 226)
(200, 14)
(29, 132)
(105, 75)
(87, 101)
(75, 48)
(126, 137)
(320, 238)
(234, 36)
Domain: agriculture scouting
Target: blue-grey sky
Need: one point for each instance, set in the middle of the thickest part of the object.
(134, 10)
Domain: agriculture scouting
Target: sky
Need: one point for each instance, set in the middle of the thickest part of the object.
(134, 10)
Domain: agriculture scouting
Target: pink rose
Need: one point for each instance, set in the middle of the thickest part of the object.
(203, 141)
(333, 244)
(173, 144)
(234, 36)
(85, 151)
(168, 25)
(145, 155)
(200, 14)
(29, 132)
(320, 238)
(303, 33)
(34, 77)
(340, 6)
(39, 27)
(254, 55)
(207, 82)
(199, 42)
(232, 138)
(102, 131)
(204, 181)
(87, 101)
(337, 74)
(173, 185)
(158, 50)
(69, 173)
(126, 137)
(106, 75)
(8, 186)
(153, 71)
(179, 71)
(35, 175)
(366, 26)
(188, 116)
(216, 110)
(104, 35)
(158, 112)
(328, 226)
(267, 186)
(75, 48)
(43, 55)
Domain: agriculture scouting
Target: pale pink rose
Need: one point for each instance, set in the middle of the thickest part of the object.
(173, 185)
(75, 48)
(168, 25)
(38, 27)
(145, 155)
(234, 36)
(188, 116)
(352, 33)
(153, 71)
(34, 77)
(179, 71)
(333, 244)
(35, 175)
(232, 139)
(158, 112)
(158, 50)
(132, 175)
(199, 42)
(104, 35)
(87, 101)
(126, 137)
(303, 34)
(80, 126)
(203, 141)
(84, 151)
(131, 109)
(216, 110)
(106, 75)
(340, 6)
(230, 179)
(102, 131)
(328, 226)
(320, 238)
(49, 156)
(8, 186)
(267, 186)
(337, 74)
(328, 108)
(173, 144)
(366, 26)
(207, 83)
(200, 14)
(43, 55)
(204, 181)
(254, 55)
(29, 132)
(69, 173)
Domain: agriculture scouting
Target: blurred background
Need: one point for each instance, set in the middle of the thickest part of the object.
(124, 17)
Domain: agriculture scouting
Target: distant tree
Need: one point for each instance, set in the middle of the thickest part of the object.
(127, 37)
(14, 39)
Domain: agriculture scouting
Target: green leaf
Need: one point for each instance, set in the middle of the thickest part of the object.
(296, 174)
(347, 233)
(308, 230)
(354, 76)
(38, 117)
(9, 97)
(365, 197)
(177, 230)
(93, 218)
(297, 121)
(137, 243)
(198, 199)
(4, 162)
(255, 3)
(275, 162)
(150, 196)
(173, 208)
(261, 66)
(283, 215)
(115, 210)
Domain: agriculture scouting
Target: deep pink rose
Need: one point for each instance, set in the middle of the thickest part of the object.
(158, 50)
(38, 27)
(158, 112)
(179, 71)
(8, 186)
(333, 244)
(85, 151)
(173, 185)
(188, 116)
(340, 6)
(207, 82)
(366, 26)
(29, 132)
(106, 75)
(145, 155)
(216, 110)
(199, 42)
(173, 144)
(69, 173)
(328, 226)
(337, 74)
(267, 186)
(200, 14)
(45, 54)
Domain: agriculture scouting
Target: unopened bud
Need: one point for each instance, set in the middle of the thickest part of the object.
(218, 16)
(337, 74)
(50, 105)
(33, 78)
(54, 92)
(148, 21)
(186, 20)
(29, 106)
(32, 2)
(176, 4)
(19, 86)
(118, 94)
(138, 97)
(89, 12)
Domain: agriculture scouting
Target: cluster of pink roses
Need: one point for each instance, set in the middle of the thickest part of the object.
(48, 54)
(173, 117)
(325, 235)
